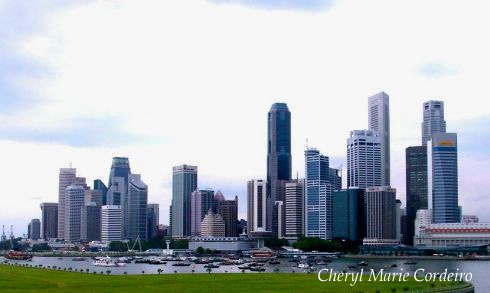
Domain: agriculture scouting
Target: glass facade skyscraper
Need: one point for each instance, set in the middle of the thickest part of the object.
(184, 182)
(136, 224)
(100, 186)
(318, 195)
(433, 120)
(118, 181)
(442, 161)
(379, 121)
(348, 214)
(416, 187)
(278, 163)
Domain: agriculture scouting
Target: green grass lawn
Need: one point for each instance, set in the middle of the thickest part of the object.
(21, 279)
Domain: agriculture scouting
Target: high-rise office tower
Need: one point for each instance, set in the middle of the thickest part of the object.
(74, 200)
(111, 223)
(217, 200)
(379, 120)
(276, 216)
(90, 222)
(348, 214)
(442, 169)
(170, 220)
(318, 195)
(153, 211)
(380, 203)
(100, 186)
(34, 229)
(201, 202)
(294, 208)
(279, 143)
(416, 187)
(433, 120)
(66, 178)
(118, 181)
(213, 225)
(364, 164)
(184, 182)
(93, 195)
(134, 209)
(49, 220)
(256, 207)
(228, 209)
(278, 160)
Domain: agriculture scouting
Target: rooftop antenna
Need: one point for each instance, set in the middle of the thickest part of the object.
(70, 165)
(307, 143)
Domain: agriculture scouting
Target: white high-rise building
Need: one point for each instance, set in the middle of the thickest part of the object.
(379, 120)
(110, 223)
(364, 159)
(66, 178)
(433, 120)
(74, 201)
(257, 208)
(295, 203)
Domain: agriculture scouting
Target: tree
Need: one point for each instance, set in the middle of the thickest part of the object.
(200, 250)
(118, 246)
(159, 271)
(41, 247)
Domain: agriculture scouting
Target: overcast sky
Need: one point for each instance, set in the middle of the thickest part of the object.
(172, 82)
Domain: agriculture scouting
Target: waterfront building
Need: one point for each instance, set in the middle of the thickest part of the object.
(49, 220)
(278, 161)
(229, 244)
(318, 190)
(398, 220)
(379, 121)
(184, 182)
(74, 200)
(212, 225)
(416, 187)
(454, 235)
(433, 120)
(34, 230)
(135, 209)
(201, 202)
(364, 153)
(294, 208)
(348, 214)
(381, 220)
(111, 229)
(423, 219)
(256, 207)
(90, 222)
(153, 212)
(66, 177)
(442, 171)
(228, 209)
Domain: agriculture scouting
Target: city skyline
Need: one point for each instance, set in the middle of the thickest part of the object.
(50, 119)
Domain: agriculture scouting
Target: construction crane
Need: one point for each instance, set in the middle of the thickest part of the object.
(4, 237)
(134, 244)
(11, 231)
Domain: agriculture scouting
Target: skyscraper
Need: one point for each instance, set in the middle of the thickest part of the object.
(279, 143)
(66, 178)
(228, 209)
(278, 160)
(379, 120)
(213, 225)
(99, 185)
(34, 229)
(348, 214)
(134, 210)
(416, 187)
(153, 219)
(201, 202)
(294, 209)
(90, 222)
(256, 207)
(118, 181)
(442, 161)
(184, 182)
(364, 152)
(111, 223)
(74, 200)
(381, 214)
(49, 220)
(318, 195)
(433, 120)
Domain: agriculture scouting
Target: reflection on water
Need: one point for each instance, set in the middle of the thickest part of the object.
(478, 269)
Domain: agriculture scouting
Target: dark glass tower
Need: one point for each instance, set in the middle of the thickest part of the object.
(118, 180)
(99, 185)
(278, 160)
(279, 143)
(416, 184)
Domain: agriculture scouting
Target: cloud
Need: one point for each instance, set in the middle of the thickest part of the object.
(300, 5)
(106, 131)
(438, 69)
